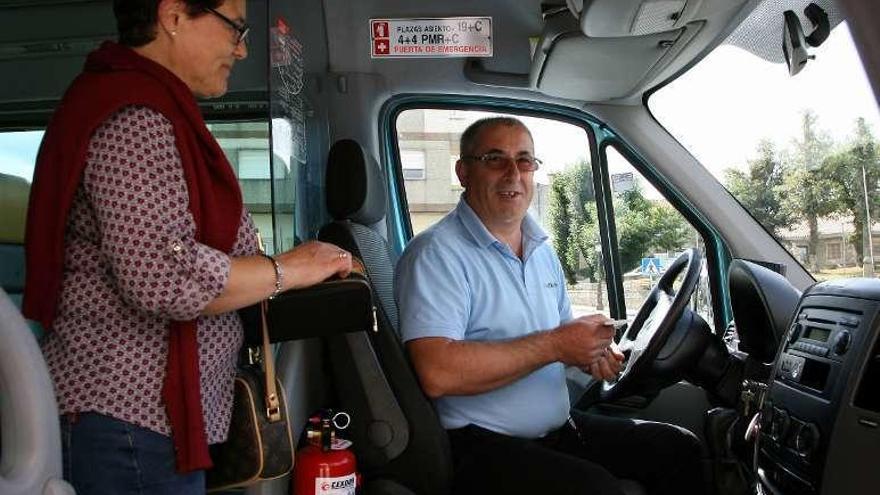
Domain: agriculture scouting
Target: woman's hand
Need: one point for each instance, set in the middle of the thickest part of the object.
(312, 262)
(252, 278)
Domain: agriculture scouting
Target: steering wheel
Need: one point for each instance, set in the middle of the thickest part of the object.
(654, 322)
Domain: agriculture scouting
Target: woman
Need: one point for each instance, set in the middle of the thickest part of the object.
(139, 251)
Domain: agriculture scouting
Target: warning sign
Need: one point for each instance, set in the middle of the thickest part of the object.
(446, 37)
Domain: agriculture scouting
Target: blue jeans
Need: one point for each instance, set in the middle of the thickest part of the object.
(103, 455)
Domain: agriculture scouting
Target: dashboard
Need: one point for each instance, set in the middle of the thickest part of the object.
(820, 423)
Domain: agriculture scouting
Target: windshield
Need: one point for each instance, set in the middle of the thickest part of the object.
(800, 153)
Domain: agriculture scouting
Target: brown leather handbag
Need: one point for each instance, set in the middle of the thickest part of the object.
(260, 443)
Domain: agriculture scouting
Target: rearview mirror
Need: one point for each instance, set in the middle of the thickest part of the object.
(794, 44)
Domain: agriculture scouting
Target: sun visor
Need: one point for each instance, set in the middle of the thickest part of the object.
(621, 18)
(569, 64)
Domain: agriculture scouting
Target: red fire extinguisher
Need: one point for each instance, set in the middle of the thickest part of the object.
(325, 465)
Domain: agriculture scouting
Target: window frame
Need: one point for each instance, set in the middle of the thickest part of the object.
(599, 137)
(716, 252)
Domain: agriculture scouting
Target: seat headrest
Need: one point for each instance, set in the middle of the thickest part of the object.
(355, 186)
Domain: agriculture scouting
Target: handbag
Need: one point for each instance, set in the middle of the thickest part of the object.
(332, 307)
(260, 444)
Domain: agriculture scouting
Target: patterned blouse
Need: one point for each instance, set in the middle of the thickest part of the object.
(132, 265)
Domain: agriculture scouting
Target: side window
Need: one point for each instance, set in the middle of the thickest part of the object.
(428, 140)
(18, 152)
(246, 145)
(651, 233)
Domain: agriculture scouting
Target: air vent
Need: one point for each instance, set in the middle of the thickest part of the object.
(868, 393)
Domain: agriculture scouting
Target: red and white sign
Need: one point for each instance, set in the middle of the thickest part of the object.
(446, 37)
(381, 46)
(340, 485)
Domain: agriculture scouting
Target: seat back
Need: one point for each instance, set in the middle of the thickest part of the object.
(31, 437)
(396, 432)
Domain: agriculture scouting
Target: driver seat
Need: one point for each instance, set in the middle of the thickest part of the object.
(400, 446)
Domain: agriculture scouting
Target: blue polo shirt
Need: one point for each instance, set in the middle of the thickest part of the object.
(456, 280)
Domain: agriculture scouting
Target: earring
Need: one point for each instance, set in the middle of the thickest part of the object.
(173, 33)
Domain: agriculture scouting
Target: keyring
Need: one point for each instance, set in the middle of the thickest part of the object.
(345, 416)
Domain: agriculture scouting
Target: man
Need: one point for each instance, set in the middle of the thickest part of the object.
(489, 329)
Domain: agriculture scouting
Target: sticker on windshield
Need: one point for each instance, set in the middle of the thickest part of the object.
(446, 37)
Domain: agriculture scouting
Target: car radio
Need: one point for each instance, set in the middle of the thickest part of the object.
(818, 342)
(819, 424)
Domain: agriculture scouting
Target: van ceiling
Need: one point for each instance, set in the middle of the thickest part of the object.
(607, 66)
(573, 52)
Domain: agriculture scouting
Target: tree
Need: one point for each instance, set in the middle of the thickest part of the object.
(672, 232)
(760, 189)
(807, 185)
(559, 224)
(643, 226)
(633, 227)
(845, 168)
(574, 222)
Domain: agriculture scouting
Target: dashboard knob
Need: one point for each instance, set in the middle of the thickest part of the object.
(767, 418)
(807, 439)
(795, 333)
(841, 344)
(779, 425)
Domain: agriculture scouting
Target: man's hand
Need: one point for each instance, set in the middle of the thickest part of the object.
(608, 366)
(582, 341)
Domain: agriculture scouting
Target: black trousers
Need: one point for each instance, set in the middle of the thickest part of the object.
(588, 459)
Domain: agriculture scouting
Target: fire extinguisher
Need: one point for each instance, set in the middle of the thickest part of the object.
(325, 465)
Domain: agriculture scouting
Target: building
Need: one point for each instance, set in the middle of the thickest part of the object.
(835, 249)
(429, 142)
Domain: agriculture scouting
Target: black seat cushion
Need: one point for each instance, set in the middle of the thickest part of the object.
(356, 199)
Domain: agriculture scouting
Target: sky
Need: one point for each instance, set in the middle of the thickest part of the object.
(727, 103)
(18, 151)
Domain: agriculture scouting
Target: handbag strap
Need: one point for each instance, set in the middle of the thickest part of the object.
(273, 404)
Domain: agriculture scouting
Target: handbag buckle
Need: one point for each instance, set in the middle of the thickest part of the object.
(273, 409)
(255, 355)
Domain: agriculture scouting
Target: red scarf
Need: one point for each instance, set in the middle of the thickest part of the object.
(115, 77)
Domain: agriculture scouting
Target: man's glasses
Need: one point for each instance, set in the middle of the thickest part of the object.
(242, 29)
(500, 161)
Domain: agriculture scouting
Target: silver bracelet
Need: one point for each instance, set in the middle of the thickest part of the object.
(279, 275)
